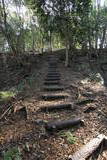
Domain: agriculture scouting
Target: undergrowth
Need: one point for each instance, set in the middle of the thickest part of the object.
(69, 136)
(13, 153)
(9, 93)
(6, 95)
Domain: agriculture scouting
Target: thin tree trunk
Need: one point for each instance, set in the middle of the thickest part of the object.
(103, 38)
(67, 55)
(50, 41)
(5, 29)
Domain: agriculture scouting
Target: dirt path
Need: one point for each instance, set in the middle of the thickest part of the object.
(59, 145)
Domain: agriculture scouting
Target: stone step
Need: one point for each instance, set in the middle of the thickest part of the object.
(52, 63)
(52, 58)
(53, 88)
(53, 72)
(53, 76)
(48, 97)
(52, 79)
(52, 67)
(52, 108)
(51, 83)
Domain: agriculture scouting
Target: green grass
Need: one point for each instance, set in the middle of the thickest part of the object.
(6, 95)
(21, 87)
(12, 153)
(30, 81)
(69, 136)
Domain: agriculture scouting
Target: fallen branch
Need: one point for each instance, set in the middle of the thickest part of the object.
(67, 106)
(82, 102)
(89, 109)
(7, 110)
(58, 125)
(86, 151)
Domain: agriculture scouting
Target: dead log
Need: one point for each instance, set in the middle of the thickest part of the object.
(52, 83)
(53, 64)
(53, 97)
(89, 109)
(57, 107)
(52, 67)
(59, 125)
(53, 71)
(82, 102)
(53, 88)
(52, 79)
(53, 74)
(7, 110)
(86, 151)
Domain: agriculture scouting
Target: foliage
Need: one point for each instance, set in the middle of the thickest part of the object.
(70, 137)
(6, 95)
(12, 153)
(96, 77)
(73, 24)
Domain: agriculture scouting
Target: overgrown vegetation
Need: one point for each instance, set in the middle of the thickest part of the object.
(13, 153)
(37, 25)
(6, 95)
(69, 137)
(76, 32)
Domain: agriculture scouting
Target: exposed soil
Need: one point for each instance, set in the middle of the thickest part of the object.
(17, 130)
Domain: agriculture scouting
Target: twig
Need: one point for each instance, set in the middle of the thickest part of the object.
(5, 112)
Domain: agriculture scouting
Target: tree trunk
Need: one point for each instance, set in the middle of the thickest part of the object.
(5, 28)
(67, 55)
(103, 38)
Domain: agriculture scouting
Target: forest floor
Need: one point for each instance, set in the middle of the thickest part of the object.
(24, 129)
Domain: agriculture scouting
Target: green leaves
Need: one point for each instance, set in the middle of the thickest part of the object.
(12, 153)
(69, 136)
